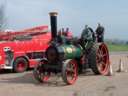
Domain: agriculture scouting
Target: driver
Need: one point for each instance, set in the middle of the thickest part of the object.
(87, 37)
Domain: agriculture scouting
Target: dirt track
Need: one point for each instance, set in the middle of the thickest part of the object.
(23, 84)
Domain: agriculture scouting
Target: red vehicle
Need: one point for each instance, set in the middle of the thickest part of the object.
(21, 50)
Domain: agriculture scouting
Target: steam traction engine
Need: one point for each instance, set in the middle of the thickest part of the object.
(70, 57)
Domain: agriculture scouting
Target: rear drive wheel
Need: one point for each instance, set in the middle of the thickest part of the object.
(40, 74)
(69, 72)
(20, 65)
(99, 59)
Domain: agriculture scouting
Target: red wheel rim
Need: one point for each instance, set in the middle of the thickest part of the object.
(21, 66)
(45, 76)
(71, 72)
(103, 59)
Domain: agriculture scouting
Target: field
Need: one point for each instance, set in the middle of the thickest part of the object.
(118, 47)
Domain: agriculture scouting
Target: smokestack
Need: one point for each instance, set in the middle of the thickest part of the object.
(53, 21)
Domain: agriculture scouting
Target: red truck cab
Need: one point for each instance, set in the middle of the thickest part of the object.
(23, 49)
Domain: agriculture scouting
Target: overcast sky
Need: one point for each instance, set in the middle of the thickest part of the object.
(113, 14)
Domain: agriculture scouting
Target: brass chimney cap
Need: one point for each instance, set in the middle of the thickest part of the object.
(53, 13)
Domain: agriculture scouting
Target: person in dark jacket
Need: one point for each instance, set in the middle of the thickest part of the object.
(86, 33)
(87, 37)
(100, 33)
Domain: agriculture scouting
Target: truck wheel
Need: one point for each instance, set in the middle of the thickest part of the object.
(69, 72)
(20, 65)
(39, 73)
(99, 59)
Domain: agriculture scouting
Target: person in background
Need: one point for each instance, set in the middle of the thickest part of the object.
(100, 33)
(64, 36)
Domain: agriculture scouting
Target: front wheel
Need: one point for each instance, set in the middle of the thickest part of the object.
(40, 74)
(69, 72)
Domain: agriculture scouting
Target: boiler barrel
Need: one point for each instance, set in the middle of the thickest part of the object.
(70, 51)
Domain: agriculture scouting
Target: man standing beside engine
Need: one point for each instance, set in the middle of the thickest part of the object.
(100, 33)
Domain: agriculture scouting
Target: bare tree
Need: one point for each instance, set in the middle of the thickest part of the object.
(2, 18)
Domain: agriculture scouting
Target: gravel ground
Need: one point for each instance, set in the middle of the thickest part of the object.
(23, 84)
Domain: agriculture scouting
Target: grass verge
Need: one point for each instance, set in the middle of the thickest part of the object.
(117, 47)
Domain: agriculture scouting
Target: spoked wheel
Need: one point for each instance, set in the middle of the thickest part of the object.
(99, 59)
(40, 74)
(69, 72)
(102, 59)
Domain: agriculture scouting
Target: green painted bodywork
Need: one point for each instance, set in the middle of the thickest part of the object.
(71, 51)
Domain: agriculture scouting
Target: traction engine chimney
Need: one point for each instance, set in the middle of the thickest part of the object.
(53, 22)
